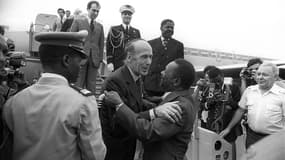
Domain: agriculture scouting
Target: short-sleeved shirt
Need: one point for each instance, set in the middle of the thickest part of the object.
(266, 112)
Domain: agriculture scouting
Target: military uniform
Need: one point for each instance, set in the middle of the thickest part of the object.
(117, 38)
(52, 119)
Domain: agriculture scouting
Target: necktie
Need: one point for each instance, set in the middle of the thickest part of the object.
(139, 84)
(127, 29)
(164, 43)
(92, 24)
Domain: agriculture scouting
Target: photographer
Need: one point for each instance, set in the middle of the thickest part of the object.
(247, 74)
(219, 102)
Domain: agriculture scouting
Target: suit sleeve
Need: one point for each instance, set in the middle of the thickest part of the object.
(101, 44)
(74, 26)
(109, 48)
(181, 51)
(139, 34)
(90, 136)
(144, 129)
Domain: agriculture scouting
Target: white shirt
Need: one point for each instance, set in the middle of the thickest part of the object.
(54, 75)
(266, 112)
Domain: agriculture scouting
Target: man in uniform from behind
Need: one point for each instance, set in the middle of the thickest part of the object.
(118, 36)
(53, 119)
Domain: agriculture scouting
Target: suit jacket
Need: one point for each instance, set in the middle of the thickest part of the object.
(116, 40)
(162, 139)
(161, 57)
(120, 145)
(52, 121)
(94, 42)
(66, 26)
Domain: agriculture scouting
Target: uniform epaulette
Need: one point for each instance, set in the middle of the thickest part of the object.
(82, 91)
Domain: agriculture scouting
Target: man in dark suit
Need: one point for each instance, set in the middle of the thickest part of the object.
(93, 47)
(118, 36)
(127, 82)
(68, 22)
(163, 140)
(165, 49)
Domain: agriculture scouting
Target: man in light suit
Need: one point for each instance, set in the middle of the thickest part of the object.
(162, 139)
(165, 49)
(53, 119)
(118, 37)
(93, 47)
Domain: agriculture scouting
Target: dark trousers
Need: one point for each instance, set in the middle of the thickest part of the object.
(252, 137)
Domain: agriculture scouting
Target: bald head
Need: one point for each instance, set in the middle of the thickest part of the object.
(139, 56)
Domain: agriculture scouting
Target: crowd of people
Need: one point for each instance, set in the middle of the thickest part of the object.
(146, 110)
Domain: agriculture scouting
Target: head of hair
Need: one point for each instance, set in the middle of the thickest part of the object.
(214, 72)
(2, 30)
(185, 71)
(166, 21)
(254, 61)
(52, 54)
(274, 68)
(89, 4)
(130, 47)
(60, 9)
(207, 68)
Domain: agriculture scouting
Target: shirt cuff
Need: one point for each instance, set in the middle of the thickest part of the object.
(151, 114)
(119, 106)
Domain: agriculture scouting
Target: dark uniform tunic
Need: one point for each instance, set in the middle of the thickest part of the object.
(116, 41)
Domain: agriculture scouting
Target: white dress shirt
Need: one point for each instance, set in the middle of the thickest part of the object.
(266, 112)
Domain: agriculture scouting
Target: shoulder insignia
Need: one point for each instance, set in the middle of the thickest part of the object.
(82, 91)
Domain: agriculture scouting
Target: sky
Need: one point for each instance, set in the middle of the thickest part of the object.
(248, 27)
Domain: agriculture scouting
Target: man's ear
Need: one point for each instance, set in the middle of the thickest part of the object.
(65, 60)
(176, 82)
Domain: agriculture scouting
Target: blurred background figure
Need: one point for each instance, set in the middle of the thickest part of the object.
(57, 25)
(9, 42)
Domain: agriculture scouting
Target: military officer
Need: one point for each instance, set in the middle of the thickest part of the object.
(53, 119)
(118, 36)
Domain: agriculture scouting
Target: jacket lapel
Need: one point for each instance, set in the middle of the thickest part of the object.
(131, 84)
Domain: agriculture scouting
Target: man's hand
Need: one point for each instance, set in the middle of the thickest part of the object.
(225, 132)
(110, 66)
(112, 97)
(170, 110)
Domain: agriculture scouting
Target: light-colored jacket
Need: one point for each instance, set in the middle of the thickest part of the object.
(52, 121)
(94, 42)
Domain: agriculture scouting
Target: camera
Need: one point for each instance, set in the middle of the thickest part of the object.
(12, 73)
(247, 73)
(213, 95)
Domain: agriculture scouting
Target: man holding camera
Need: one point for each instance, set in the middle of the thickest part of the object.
(219, 101)
(247, 74)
